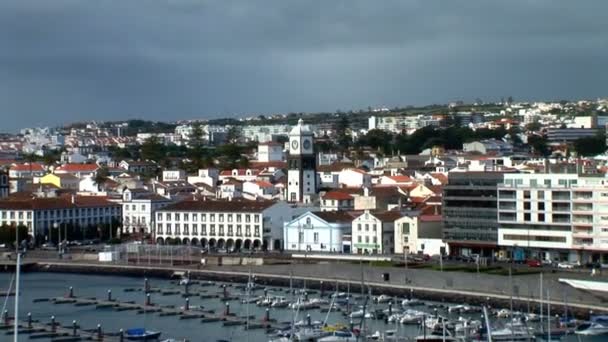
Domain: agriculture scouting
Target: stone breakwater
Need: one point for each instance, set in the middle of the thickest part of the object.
(482, 295)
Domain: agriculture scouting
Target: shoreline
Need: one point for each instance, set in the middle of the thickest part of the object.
(262, 276)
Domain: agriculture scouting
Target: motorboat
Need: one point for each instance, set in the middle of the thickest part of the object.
(360, 314)
(412, 318)
(435, 338)
(463, 309)
(339, 336)
(503, 313)
(383, 299)
(596, 327)
(141, 334)
(412, 302)
(309, 334)
(513, 332)
(280, 302)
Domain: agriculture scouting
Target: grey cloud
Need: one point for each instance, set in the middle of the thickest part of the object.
(66, 60)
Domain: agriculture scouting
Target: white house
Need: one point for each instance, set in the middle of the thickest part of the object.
(242, 175)
(26, 170)
(319, 232)
(259, 189)
(88, 184)
(373, 232)
(78, 170)
(230, 188)
(174, 175)
(354, 178)
(336, 200)
(138, 208)
(417, 233)
(206, 176)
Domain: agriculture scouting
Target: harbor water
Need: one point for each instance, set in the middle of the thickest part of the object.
(37, 285)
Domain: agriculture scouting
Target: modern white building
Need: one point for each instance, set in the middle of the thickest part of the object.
(301, 164)
(319, 232)
(138, 208)
(236, 224)
(373, 232)
(270, 152)
(354, 178)
(554, 217)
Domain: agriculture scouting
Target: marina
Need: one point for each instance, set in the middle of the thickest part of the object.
(106, 307)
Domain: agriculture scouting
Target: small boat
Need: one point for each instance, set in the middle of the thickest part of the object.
(596, 327)
(513, 332)
(140, 334)
(412, 302)
(280, 302)
(503, 313)
(435, 338)
(383, 299)
(339, 336)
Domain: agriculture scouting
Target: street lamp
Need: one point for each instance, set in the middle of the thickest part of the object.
(57, 226)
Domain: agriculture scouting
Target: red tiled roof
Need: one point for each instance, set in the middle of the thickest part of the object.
(440, 177)
(335, 216)
(337, 195)
(430, 218)
(55, 203)
(78, 168)
(26, 167)
(400, 178)
(387, 216)
(263, 184)
(265, 165)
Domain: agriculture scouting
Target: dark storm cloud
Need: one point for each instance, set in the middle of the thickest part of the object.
(68, 60)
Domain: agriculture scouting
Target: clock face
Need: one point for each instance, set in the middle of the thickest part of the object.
(294, 144)
(306, 144)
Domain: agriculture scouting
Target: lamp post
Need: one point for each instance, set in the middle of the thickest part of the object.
(56, 226)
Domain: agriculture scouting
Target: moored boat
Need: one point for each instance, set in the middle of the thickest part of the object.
(140, 334)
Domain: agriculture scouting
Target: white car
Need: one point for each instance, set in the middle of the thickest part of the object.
(564, 264)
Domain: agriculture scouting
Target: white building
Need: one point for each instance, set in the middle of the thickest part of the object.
(270, 152)
(337, 200)
(373, 232)
(4, 185)
(205, 176)
(40, 215)
(354, 178)
(319, 232)
(416, 233)
(236, 224)
(138, 208)
(301, 174)
(174, 175)
(259, 190)
(554, 217)
(243, 175)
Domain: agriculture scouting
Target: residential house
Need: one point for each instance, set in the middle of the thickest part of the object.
(319, 232)
(417, 233)
(139, 167)
(337, 200)
(243, 175)
(174, 175)
(259, 189)
(207, 176)
(354, 178)
(138, 209)
(61, 180)
(270, 152)
(78, 170)
(230, 188)
(26, 170)
(373, 232)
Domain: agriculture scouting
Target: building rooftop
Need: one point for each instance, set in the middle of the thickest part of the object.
(220, 206)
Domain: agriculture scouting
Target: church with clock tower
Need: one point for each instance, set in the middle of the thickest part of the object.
(301, 165)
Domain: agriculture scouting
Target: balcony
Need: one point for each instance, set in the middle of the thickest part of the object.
(582, 207)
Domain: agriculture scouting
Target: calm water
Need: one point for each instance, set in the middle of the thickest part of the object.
(46, 285)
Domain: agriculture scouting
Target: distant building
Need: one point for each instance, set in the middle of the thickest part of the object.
(301, 174)
(337, 200)
(373, 232)
(4, 185)
(78, 170)
(233, 225)
(489, 146)
(138, 209)
(418, 233)
(319, 232)
(62, 180)
(270, 152)
(567, 135)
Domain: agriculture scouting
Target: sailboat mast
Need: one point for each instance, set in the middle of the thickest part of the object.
(17, 273)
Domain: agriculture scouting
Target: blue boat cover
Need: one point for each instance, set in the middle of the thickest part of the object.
(136, 332)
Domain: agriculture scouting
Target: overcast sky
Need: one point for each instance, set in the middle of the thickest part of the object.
(70, 60)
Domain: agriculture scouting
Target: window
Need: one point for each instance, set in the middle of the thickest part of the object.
(359, 227)
(405, 228)
(168, 216)
(221, 229)
(257, 231)
(195, 229)
(159, 229)
(316, 237)
(238, 218)
(203, 217)
(374, 227)
(221, 217)
(547, 182)
(256, 218)
(186, 229)
(194, 217)
(230, 232)
(540, 195)
(186, 217)
(239, 231)
(247, 218)
(133, 207)
(541, 205)
(168, 228)
(526, 194)
(375, 240)
(177, 218)
(211, 217)
(526, 205)
(300, 237)
(367, 227)
(541, 217)
(359, 239)
(143, 207)
(229, 217)
(177, 229)
(367, 239)
(248, 230)
(203, 229)
(527, 217)
(212, 229)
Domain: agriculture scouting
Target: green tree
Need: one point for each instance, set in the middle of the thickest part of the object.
(590, 146)
(539, 145)
(234, 135)
(343, 135)
(101, 176)
(153, 149)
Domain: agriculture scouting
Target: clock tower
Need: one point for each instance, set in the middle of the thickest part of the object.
(301, 165)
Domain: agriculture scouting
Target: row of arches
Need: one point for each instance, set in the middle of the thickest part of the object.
(230, 244)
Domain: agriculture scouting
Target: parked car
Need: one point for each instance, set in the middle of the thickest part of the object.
(566, 265)
(534, 263)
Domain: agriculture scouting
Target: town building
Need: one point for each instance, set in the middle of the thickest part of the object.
(40, 215)
(336, 200)
(554, 216)
(270, 152)
(242, 175)
(78, 170)
(234, 225)
(319, 232)
(568, 135)
(373, 232)
(301, 174)
(141, 167)
(4, 184)
(138, 209)
(26, 170)
(488, 146)
(417, 233)
(470, 224)
(65, 181)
